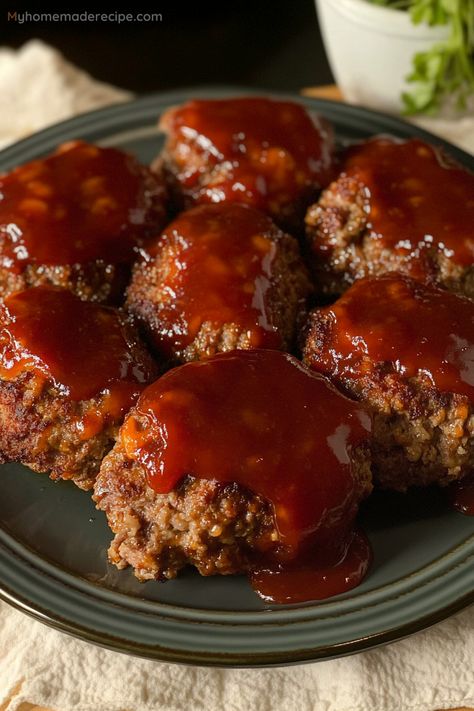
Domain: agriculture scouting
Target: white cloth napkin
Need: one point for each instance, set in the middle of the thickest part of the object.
(460, 132)
(432, 670)
(38, 88)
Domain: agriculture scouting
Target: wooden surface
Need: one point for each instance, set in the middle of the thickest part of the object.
(324, 92)
(321, 92)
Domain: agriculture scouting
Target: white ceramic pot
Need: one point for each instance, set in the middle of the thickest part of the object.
(370, 49)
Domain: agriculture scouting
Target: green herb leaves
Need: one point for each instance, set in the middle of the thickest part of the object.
(447, 69)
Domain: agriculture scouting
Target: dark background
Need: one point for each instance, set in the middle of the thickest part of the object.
(264, 43)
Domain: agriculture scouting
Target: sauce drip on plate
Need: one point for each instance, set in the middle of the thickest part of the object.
(462, 496)
(317, 577)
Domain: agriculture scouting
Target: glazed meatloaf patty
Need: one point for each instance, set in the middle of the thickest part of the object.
(69, 372)
(220, 465)
(403, 349)
(75, 218)
(396, 206)
(272, 155)
(219, 277)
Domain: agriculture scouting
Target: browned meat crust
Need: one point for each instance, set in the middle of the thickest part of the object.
(420, 436)
(97, 281)
(213, 526)
(49, 432)
(341, 250)
(218, 528)
(40, 428)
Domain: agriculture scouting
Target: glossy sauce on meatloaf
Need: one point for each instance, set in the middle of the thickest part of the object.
(219, 277)
(221, 273)
(406, 351)
(270, 154)
(262, 420)
(417, 328)
(84, 349)
(81, 204)
(416, 199)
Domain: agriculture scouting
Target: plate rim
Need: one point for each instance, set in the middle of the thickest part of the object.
(232, 660)
(122, 113)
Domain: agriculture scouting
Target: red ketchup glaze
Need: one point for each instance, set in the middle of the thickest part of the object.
(418, 328)
(462, 496)
(263, 420)
(269, 150)
(84, 348)
(221, 272)
(415, 198)
(320, 576)
(81, 204)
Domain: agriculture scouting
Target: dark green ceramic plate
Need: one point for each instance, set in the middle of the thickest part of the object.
(53, 543)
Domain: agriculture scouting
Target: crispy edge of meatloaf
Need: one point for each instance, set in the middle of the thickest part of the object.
(341, 249)
(286, 300)
(40, 428)
(96, 281)
(221, 529)
(420, 436)
(213, 526)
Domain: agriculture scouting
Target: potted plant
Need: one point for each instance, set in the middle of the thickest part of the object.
(411, 56)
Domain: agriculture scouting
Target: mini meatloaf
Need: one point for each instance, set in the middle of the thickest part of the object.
(69, 372)
(405, 350)
(396, 206)
(75, 219)
(272, 155)
(220, 277)
(241, 457)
